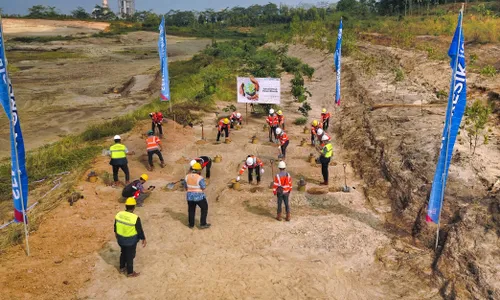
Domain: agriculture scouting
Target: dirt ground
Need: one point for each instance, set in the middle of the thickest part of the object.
(40, 27)
(108, 77)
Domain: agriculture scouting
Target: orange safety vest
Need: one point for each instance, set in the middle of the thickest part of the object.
(257, 162)
(314, 128)
(284, 182)
(193, 183)
(281, 120)
(325, 116)
(152, 143)
(283, 138)
(222, 125)
(234, 117)
(272, 120)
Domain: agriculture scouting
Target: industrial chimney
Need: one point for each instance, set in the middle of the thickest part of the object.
(105, 4)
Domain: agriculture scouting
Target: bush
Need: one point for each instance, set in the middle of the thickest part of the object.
(304, 109)
(307, 70)
(476, 117)
(300, 121)
(291, 64)
(488, 71)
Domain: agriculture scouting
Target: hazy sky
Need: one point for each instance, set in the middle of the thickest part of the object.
(159, 6)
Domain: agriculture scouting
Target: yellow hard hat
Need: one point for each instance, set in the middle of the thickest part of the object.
(280, 112)
(130, 201)
(145, 177)
(196, 166)
(323, 110)
(226, 121)
(315, 123)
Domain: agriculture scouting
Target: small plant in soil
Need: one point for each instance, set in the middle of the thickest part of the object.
(476, 117)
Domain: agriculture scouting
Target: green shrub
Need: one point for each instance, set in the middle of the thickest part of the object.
(111, 128)
(304, 109)
(291, 64)
(489, 71)
(307, 70)
(300, 121)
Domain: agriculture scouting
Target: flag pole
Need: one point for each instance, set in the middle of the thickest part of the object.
(15, 150)
(452, 88)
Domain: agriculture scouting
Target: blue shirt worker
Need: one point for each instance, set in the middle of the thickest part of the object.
(128, 231)
(195, 185)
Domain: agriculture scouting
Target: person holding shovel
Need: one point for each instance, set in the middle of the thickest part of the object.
(320, 133)
(283, 139)
(194, 185)
(281, 188)
(205, 162)
(315, 125)
(325, 118)
(153, 146)
(324, 159)
(272, 122)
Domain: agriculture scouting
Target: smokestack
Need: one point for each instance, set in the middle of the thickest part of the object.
(105, 3)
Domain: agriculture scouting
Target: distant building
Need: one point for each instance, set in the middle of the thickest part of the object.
(105, 4)
(126, 8)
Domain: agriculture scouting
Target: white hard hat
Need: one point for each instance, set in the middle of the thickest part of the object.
(278, 130)
(324, 138)
(281, 165)
(249, 161)
(238, 115)
(191, 163)
(271, 111)
(320, 131)
(117, 137)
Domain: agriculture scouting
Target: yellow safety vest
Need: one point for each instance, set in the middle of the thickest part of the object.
(193, 183)
(125, 224)
(328, 150)
(118, 151)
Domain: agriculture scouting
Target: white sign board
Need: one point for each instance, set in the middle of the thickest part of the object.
(259, 90)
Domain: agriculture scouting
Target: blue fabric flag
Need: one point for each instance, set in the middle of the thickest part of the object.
(19, 175)
(454, 113)
(162, 50)
(338, 58)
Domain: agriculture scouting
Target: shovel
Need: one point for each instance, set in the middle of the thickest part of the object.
(171, 185)
(272, 173)
(345, 188)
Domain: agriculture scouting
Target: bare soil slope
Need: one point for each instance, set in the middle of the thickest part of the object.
(335, 247)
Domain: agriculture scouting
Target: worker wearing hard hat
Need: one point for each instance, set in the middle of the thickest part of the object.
(136, 190)
(281, 188)
(205, 162)
(153, 146)
(324, 159)
(118, 153)
(223, 126)
(156, 121)
(272, 121)
(195, 184)
(236, 118)
(281, 119)
(320, 133)
(325, 119)
(315, 125)
(283, 139)
(128, 231)
(252, 163)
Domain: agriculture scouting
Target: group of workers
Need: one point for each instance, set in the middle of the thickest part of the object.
(128, 227)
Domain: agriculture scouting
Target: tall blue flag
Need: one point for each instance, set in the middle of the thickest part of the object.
(19, 175)
(338, 58)
(454, 113)
(162, 50)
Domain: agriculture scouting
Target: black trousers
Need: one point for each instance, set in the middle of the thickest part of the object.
(153, 125)
(226, 131)
(127, 257)
(125, 170)
(150, 156)
(326, 123)
(203, 204)
(257, 172)
(312, 138)
(207, 168)
(283, 148)
(283, 198)
(272, 130)
(324, 167)
(235, 121)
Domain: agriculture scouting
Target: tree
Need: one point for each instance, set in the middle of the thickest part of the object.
(476, 117)
(103, 13)
(41, 11)
(80, 13)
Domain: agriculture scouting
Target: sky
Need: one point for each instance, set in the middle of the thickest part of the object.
(158, 6)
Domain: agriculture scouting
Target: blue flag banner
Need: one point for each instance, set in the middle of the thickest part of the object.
(162, 50)
(454, 113)
(19, 175)
(338, 58)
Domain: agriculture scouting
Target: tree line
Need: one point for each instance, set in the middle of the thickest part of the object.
(256, 15)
